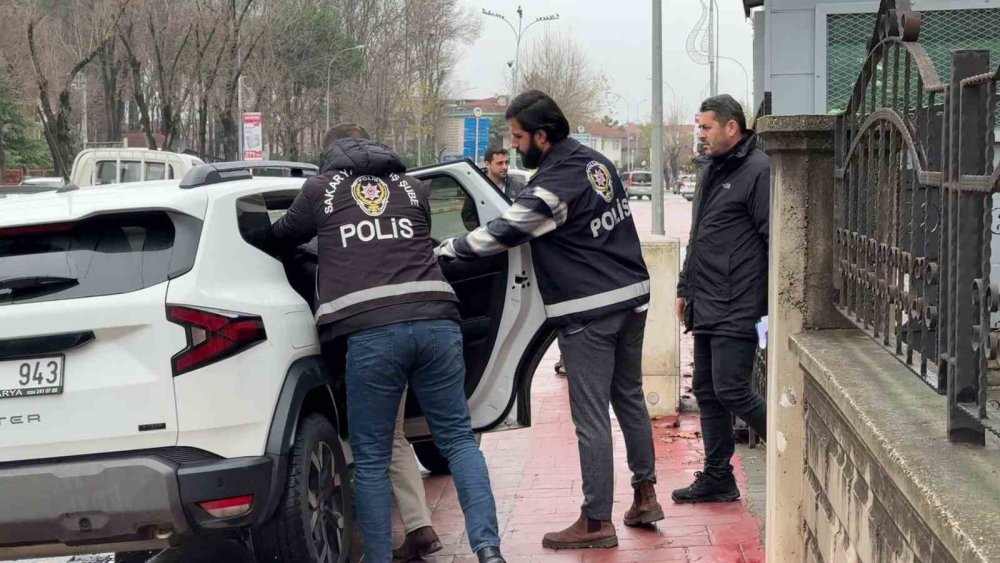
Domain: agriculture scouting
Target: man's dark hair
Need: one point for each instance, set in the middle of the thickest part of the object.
(536, 111)
(726, 109)
(493, 151)
(343, 131)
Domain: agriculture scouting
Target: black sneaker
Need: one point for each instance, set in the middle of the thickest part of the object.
(707, 488)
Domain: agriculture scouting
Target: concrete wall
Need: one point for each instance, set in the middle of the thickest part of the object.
(801, 150)
(882, 482)
(661, 349)
(859, 464)
(856, 512)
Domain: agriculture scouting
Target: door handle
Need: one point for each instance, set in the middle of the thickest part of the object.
(521, 279)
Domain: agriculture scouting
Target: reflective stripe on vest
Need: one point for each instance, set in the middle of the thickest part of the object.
(597, 301)
(382, 292)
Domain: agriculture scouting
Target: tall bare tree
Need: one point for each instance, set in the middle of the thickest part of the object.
(137, 74)
(677, 142)
(558, 65)
(89, 30)
(170, 38)
(177, 68)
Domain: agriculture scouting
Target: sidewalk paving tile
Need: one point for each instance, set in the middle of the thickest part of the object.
(536, 476)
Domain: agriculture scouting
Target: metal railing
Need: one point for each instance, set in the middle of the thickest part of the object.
(914, 208)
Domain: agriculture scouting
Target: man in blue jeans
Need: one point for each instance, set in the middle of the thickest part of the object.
(380, 288)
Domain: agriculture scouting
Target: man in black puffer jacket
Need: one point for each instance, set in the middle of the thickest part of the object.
(380, 288)
(722, 292)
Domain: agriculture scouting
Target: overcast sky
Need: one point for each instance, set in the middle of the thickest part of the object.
(618, 37)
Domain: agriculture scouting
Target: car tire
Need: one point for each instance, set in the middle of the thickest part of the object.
(317, 459)
(432, 460)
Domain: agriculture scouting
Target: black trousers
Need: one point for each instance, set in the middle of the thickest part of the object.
(722, 369)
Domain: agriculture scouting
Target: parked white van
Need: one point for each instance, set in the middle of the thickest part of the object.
(98, 167)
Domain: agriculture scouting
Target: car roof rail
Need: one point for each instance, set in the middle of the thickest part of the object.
(219, 172)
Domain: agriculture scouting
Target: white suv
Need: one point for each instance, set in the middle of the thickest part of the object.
(160, 375)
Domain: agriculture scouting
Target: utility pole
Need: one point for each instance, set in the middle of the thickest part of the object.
(713, 85)
(657, 156)
(239, 88)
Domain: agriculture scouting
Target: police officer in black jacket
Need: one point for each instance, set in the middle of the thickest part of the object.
(594, 283)
(722, 292)
(380, 288)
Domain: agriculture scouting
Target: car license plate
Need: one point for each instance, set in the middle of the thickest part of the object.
(31, 377)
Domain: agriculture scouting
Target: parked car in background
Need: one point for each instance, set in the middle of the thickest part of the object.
(97, 167)
(638, 184)
(687, 190)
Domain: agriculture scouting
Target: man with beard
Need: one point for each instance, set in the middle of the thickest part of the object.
(593, 280)
(387, 299)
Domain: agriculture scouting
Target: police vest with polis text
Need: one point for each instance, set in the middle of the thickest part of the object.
(379, 266)
(592, 265)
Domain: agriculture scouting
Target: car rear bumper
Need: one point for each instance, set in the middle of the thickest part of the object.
(142, 500)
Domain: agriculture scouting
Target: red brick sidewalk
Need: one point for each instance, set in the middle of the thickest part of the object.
(536, 479)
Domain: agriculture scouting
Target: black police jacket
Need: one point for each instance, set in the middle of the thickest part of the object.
(376, 259)
(724, 278)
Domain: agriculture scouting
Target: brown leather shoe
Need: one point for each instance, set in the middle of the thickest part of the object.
(418, 543)
(585, 532)
(645, 509)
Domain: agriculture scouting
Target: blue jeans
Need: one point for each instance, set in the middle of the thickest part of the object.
(380, 361)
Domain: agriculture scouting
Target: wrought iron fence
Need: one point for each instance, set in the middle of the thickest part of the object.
(915, 179)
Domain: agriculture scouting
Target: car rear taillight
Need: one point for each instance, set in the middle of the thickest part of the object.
(213, 336)
(228, 507)
(630, 180)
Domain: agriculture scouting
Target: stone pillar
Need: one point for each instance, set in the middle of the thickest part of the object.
(801, 297)
(661, 379)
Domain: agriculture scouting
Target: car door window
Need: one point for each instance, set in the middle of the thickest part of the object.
(107, 172)
(156, 171)
(131, 171)
(453, 211)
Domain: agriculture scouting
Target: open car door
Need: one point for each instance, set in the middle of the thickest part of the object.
(503, 318)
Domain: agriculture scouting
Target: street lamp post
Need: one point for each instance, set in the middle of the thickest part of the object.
(656, 154)
(329, 67)
(518, 34)
(746, 75)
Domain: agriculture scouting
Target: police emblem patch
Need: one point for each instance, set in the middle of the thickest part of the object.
(371, 193)
(600, 180)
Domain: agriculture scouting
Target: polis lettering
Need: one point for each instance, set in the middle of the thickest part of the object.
(376, 229)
